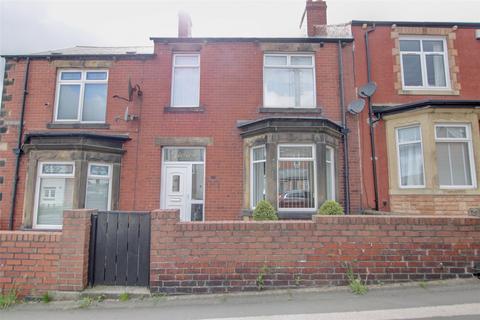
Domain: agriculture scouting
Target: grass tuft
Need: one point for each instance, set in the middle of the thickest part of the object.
(8, 299)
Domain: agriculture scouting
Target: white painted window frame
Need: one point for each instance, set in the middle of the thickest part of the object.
(107, 177)
(468, 140)
(331, 161)
(423, 63)
(83, 80)
(252, 162)
(190, 163)
(398, 144)
(41, 175)
(289, 65)
(174, 66)
(313, 158)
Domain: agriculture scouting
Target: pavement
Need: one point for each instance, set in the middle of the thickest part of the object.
(456, 299)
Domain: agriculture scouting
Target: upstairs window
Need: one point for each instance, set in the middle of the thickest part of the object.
(186, 80)
(289, 81)
(455, 156)
(424, 63)
(81, 96)
(410, 157)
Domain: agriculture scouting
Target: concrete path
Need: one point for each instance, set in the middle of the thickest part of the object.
(444, 300)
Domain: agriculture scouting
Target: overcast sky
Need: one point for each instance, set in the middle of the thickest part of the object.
(32, 26)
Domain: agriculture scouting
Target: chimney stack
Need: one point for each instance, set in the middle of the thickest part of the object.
(184, 25)
(316, 12)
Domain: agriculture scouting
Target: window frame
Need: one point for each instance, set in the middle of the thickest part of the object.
(314, 160)
(252, 162)
(83, 80)
(423, 63)
(109, 178)
(468, 140)
(197, 105)
(398, 143)
(41, 175)
(331, 173)
(289, 65)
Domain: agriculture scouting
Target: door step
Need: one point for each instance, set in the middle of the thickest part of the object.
(114, 292)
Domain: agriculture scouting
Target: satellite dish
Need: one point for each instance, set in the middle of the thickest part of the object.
(367, 90)
(130, 90)
(356, 106)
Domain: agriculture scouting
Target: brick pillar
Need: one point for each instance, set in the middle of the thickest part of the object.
(161, 224)
(74, 247)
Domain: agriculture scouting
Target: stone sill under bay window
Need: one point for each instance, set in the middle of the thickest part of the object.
(316, 110)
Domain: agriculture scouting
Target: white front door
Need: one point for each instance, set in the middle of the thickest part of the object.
(176, 187)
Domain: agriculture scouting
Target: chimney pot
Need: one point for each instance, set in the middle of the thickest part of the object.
(184, 25)
(316, 12)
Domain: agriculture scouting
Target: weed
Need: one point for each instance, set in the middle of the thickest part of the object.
(8, 299)
(261, 277)
(355, 282)
(86, 302)
(423, 284)
(124, 297)
(297, 280)
(46, 297)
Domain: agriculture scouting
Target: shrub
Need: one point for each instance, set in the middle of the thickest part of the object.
(8, 299)
(264, 211)
(331, 207)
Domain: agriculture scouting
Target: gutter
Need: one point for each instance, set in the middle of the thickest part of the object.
(346, 167)
(18, 149)
(439, 24)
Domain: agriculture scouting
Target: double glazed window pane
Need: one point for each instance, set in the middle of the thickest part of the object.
(94, 103)
(97, 193)
(183, 154)
(258, 174)
(68, 101)
(197, 181)
(296, 181)
(296, 152)
(435, 70)
(451, 132)
(410, 156)
(453, 164)
(286, 87)
(186, 87)
(412, 70)
(55, 196)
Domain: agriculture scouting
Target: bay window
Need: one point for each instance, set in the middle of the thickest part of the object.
(410, 157)
(296, 177)
(258, 178)
(454, 156)
(81, 96)
(424, 63)
(54, 193)
(99, 182)
(289, 81)
(186, 80)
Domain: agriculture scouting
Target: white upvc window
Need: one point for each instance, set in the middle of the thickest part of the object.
(186, 80)
(99, 186)
(53, 194)
(258, 174)
(81, 96)
(330, 173)
(289, 81)
(455, 161)
(424, 62)
(296, 182)
(410, 157)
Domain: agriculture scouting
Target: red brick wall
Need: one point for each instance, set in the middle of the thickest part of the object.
(229, 256)
(34, 262)
(230, 90)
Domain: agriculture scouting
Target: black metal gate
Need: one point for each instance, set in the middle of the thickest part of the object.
(120, 248)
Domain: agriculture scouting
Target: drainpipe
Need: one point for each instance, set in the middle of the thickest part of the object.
(371, 121)
(18, 149)
(346, 167)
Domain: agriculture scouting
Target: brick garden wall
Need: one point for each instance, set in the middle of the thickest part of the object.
(34, 262)
(229, 256)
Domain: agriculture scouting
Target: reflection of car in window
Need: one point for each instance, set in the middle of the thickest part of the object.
(295, 199)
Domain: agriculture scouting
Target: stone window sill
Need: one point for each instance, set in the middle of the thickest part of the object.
(289, 110)
(429, 92)
(63, 125)
(170, 109)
